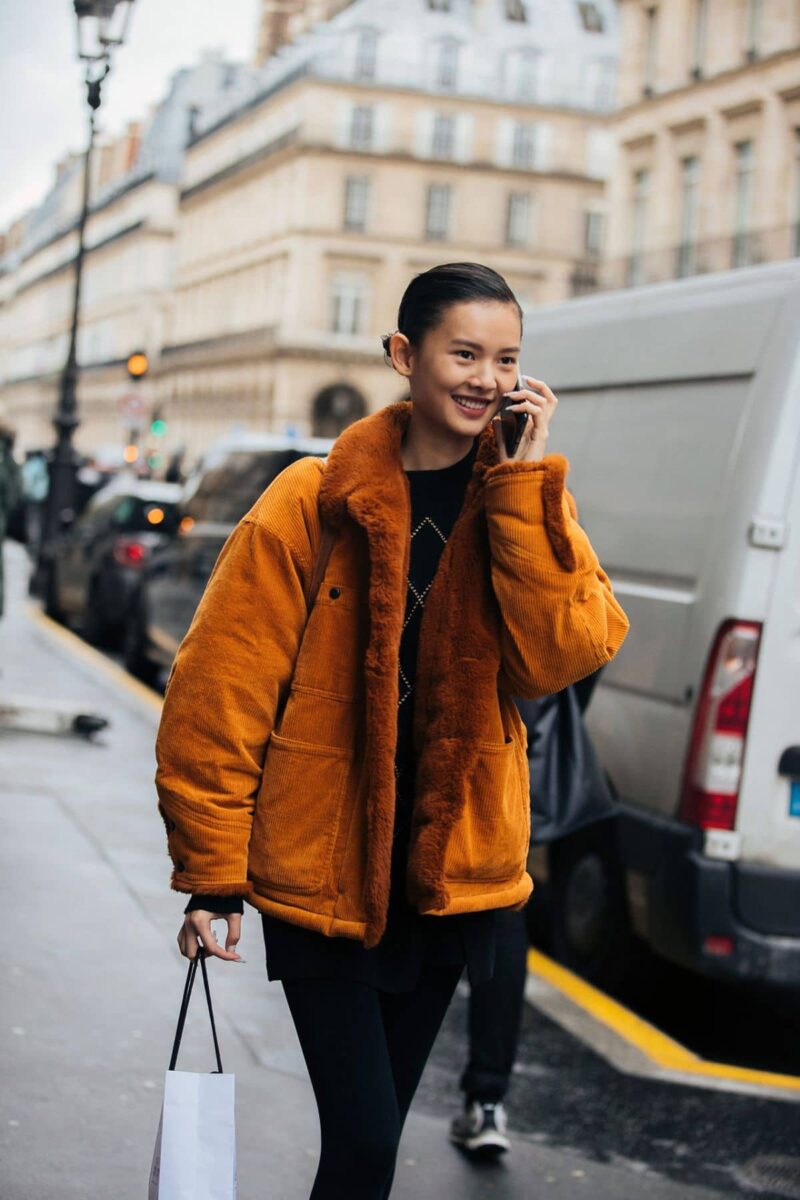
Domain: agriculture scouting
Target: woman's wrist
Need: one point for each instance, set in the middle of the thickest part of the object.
(215, 904)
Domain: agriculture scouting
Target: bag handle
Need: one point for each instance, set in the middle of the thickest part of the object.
(187, 993)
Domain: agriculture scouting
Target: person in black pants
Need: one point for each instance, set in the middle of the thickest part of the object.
(495, 1012)
(343, 749)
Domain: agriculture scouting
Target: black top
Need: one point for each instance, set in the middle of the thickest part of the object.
(410, 939)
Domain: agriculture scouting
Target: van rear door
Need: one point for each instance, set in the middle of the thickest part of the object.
(768, 816)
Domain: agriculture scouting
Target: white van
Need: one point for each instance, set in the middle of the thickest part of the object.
(680, 416)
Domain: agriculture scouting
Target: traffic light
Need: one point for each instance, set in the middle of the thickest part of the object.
(137, 364)
(158, 426)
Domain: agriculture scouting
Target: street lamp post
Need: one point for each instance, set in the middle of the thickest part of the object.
(102, 25)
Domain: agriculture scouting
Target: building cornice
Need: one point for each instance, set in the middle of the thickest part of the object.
(260, 345)
(291, 141)
(69, 263)
(234, 169)
(66, 230)
(387, 90)
(54, 375)
(703, 85)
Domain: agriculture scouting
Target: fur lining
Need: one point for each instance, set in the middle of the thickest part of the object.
(364, 481)
(459, 645)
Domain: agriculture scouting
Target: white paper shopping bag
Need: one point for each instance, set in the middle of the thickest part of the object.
(195, 1155)
(195, 1152)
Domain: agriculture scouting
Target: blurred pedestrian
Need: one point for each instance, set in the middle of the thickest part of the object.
(10, 493)
(35, 473)
(565, 794)
(355, 767)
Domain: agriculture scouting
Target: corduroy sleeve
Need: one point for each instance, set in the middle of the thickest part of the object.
(228, 678)
(561, 620)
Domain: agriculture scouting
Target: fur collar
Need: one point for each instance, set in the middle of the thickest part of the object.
(458, 660)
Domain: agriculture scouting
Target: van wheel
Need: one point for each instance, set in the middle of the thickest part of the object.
(133, 645)
(590, 925)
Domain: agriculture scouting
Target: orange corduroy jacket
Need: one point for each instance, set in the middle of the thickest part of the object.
(277, 740)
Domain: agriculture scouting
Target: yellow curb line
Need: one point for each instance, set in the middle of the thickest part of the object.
(658, 1047)
(662, 1050)
(98, 660)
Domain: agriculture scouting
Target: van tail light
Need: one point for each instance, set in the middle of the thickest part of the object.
(129, 553)
(716, 753)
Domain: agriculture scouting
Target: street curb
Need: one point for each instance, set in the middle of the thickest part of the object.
(634, 1046)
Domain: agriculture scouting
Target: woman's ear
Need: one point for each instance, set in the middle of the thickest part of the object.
(401, 354)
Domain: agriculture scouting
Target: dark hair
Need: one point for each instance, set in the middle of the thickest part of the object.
(428, 296)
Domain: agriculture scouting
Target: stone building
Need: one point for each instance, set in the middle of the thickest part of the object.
(127, 275)
(375, 145)
(707, 173)
(283, 21)
(255, 235)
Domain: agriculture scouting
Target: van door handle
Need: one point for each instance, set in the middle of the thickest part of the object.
(790, 762)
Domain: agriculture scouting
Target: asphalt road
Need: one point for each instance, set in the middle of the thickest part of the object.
(86, 840)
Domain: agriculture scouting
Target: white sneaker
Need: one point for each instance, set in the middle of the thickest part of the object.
(481, 1127)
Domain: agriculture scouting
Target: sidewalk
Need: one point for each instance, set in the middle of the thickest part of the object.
(92, 977)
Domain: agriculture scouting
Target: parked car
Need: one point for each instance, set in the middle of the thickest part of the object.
(100, 557)
(229, 482)
(680, 416)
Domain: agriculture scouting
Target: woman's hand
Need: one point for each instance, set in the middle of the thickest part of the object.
(197, 924)
(540, 404)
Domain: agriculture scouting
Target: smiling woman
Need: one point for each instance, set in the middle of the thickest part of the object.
(457, 342)
(355, 767)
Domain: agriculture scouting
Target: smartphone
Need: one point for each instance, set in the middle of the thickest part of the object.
(512, 423)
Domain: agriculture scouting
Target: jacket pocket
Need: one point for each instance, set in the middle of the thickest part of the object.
(297, 815)
(489, 841)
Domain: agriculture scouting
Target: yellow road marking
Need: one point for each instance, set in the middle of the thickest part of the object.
(662, 1050)
(78, 647)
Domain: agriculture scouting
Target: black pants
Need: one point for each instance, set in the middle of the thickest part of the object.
(365, 1051)
(495, 1013)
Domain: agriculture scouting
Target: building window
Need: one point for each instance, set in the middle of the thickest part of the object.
(356, 202)
(699, 39)
(525, 75)
(362, 127)
(444, 136)
(755, 11)
(437, 216)
(591, 17)
(687, 248)
(641, 197)
(601, 82)
(744, 189)
(348, 304)
(366, 54)
(592, 233)
(651, 50)
(447, 66)
(523, 148)
(518, 219)
(516, 10)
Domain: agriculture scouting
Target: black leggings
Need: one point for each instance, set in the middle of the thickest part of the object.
(365, 1051)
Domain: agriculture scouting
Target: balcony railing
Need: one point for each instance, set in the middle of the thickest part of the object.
(689, 258)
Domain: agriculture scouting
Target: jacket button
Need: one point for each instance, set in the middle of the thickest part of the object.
(335, 593)
(179, 866)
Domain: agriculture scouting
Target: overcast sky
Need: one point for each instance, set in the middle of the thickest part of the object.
(42, 100)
